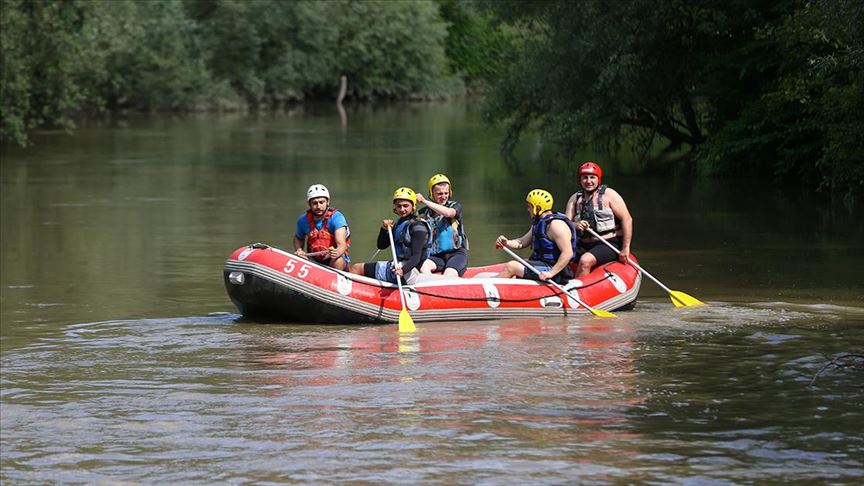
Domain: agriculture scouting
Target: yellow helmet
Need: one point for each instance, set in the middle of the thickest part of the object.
(540, 200)
(439, 179)
(405, 193)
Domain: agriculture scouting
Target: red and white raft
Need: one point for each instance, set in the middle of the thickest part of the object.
(266, 282)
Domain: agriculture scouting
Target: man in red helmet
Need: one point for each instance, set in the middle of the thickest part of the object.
(603, 210)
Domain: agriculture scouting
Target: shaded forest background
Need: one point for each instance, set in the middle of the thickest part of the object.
(770, 88)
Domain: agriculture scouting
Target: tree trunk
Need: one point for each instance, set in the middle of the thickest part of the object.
(343, 88)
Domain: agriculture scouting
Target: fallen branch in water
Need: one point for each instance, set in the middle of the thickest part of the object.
(845, 360)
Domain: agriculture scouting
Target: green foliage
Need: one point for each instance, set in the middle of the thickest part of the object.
(400, 57)
(276, 51)
(771, 87)
(806, 119)
(595, 70)
(477, 49)
(152, 58)
(61, 57)
(46, 63)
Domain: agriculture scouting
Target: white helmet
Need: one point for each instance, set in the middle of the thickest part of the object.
(317, 190)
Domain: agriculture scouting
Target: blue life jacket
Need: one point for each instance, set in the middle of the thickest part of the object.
(448, 233)
(402, 238)
(545, 250)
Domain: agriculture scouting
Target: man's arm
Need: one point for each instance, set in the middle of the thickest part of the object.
(619, 209)
(338, 225)
(383, 239)
(523, 241)
(419, 239)
(560, 233)
(341, 242)
(300, 241)
(570, 211)
(570, 208)
(438, 208)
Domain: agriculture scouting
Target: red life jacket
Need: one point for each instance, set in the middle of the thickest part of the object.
(321, 240)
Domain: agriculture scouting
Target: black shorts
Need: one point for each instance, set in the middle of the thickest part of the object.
(456, 259)
(601, 252)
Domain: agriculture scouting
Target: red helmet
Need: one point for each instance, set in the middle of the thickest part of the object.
(591, 168)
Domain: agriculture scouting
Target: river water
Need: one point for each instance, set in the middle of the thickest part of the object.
(123, 361)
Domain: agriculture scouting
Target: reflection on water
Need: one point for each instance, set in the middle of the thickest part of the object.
(132, 221)
(654, 396)
(112, 237)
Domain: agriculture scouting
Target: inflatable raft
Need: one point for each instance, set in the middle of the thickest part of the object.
(268, 283)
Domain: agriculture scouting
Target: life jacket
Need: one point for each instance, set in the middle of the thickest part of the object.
(448, 233)
(545, 250)
(402, 238)
(322, 239)
(602, 220)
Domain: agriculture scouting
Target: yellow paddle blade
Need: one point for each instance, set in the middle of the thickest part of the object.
(680, 299)
(602, 313)
(406, 324)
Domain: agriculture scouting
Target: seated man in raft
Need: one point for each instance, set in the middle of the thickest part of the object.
(552, 237)
(449, 243)
(411, 235)
(322, 230)
(603, 210)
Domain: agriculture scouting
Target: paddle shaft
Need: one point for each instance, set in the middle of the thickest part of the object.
(556, 284)
(395, 263)
(631, 262)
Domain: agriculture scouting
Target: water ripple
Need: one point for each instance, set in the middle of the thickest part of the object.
(711, 395)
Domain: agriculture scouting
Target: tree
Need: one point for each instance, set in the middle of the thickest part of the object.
(153, 58)
(276, 51)
(46, 64)
(593, 70)
(60, 58)
(807, 118)
(477, 50)
(770, 87)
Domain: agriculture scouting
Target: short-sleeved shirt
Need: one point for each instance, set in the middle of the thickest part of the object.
(337, 220)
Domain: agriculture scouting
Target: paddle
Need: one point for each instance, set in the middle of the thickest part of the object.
(314, 254)
(596, 312)
(680, 299)
(406, 324)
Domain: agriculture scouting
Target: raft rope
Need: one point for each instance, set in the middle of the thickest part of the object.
(555, 293)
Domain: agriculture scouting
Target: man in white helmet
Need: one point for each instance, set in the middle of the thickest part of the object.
(322, 231)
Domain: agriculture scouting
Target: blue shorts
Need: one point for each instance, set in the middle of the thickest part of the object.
(384, 271)
(561, 277)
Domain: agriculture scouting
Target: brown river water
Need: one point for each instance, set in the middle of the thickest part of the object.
(124, 362)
